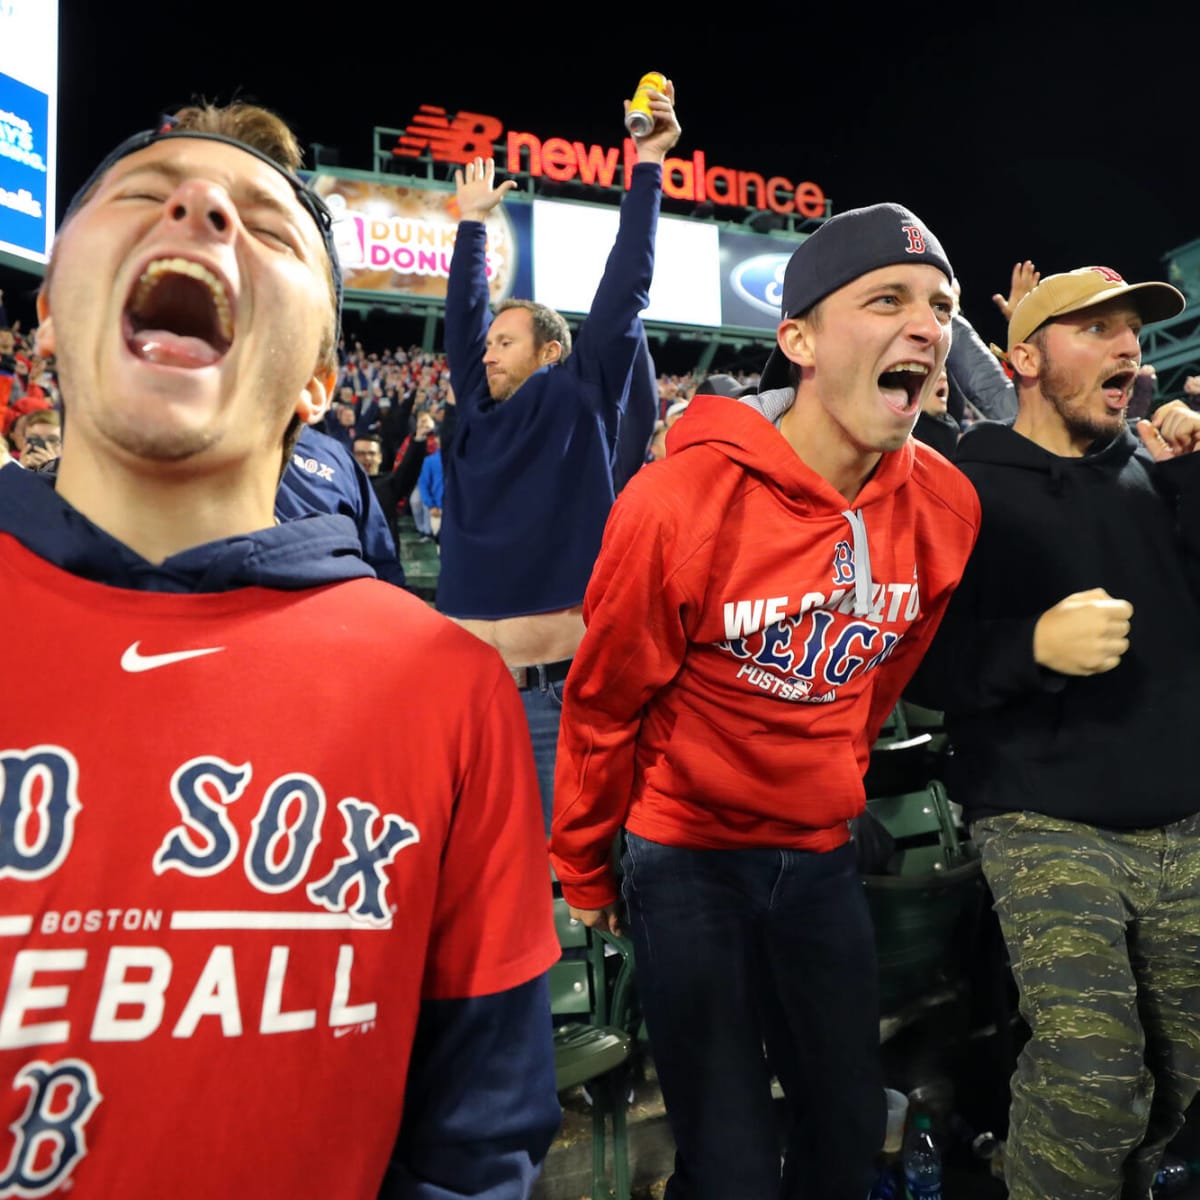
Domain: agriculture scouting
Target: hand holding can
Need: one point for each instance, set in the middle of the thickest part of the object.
(639, 120)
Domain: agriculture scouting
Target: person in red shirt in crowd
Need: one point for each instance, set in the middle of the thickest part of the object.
(761, 597)
(326, 953)
(37, 437)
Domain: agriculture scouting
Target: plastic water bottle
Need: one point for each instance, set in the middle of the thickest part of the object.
(922, 1161)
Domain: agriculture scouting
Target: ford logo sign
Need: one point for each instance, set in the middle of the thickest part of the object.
(759, 281)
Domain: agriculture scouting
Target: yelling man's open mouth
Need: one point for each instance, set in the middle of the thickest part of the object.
(901, 385)
(1117, 388)
(179, 315)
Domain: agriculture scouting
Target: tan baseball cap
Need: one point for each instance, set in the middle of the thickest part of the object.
(1058, 295)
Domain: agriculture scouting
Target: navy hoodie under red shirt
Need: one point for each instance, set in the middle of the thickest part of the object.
(748, 632)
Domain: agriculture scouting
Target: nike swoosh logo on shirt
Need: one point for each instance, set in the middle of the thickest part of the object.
(133, 660)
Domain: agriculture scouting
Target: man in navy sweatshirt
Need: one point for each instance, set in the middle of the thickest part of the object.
(546, 434)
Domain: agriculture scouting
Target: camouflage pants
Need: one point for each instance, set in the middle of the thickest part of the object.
(1103, 935)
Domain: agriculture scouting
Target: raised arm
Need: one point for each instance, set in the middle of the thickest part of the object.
(468, 313)
(974, 370)
(610, 340)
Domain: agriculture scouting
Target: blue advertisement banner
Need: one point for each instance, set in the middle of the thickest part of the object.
(752, 266)
(24, 180)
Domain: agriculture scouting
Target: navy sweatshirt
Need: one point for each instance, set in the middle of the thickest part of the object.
(529, 481)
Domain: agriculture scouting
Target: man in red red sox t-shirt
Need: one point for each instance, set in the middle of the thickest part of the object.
(248, 950)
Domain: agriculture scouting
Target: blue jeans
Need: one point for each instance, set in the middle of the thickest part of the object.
(738, 950)
(420, 514)
(543, 710)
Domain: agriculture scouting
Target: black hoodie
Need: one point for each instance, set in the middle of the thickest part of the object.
(1107, 749)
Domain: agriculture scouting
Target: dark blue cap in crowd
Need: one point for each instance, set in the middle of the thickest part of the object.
(313, 204)
(846, 246)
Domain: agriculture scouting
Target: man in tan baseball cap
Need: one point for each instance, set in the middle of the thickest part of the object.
(1073, 291)
(1069, 652)
(1073, 346)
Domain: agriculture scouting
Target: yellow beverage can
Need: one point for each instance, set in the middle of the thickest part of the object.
(639, 120)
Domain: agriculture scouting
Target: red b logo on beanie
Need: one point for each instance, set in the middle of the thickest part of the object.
(916, 239)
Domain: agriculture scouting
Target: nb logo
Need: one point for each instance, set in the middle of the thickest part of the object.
(469, 135)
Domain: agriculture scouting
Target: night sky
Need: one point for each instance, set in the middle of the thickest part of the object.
(1063, 135)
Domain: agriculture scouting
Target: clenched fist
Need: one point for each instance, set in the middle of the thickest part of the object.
(1085, 633)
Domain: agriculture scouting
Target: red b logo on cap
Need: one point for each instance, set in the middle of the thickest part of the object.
(916, 239)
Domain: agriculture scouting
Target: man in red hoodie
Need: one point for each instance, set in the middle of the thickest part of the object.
(761, 598)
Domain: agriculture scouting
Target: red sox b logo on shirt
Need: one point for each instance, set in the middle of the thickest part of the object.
(843, 564)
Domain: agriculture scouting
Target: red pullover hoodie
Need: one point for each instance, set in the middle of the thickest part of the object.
(747, 634)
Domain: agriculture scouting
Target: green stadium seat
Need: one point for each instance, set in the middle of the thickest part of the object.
(926, 903)
(593, 988)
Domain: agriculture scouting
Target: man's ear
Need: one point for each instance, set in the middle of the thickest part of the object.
(551, 352)
(1025, 359)
(44, 339)
(795, 337)
(316, 396)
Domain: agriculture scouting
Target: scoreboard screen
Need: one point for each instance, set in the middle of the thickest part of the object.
(28, 130)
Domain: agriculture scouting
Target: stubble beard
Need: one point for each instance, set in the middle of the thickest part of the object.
(502, 389)
(1070, 402)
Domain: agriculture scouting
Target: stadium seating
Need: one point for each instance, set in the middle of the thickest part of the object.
(591, 998)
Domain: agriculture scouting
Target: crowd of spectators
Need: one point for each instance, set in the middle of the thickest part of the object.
(383, 392)
(391, 413)
(27, 386)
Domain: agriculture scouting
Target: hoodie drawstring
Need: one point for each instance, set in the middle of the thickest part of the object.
(862, 563)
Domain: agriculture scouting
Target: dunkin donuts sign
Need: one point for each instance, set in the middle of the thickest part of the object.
(399, 239)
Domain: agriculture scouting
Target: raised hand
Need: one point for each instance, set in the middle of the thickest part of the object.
(665, 132)
(475, 189)
(1024, 280)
